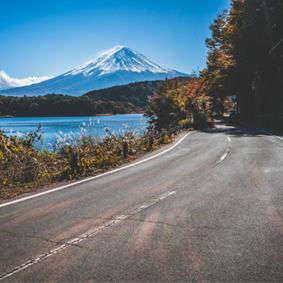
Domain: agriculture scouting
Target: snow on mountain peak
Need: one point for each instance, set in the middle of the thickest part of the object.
(119, 58)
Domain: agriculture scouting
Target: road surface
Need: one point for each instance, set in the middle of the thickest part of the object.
(209, 207)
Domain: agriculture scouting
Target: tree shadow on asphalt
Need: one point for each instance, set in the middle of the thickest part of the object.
(235, 128)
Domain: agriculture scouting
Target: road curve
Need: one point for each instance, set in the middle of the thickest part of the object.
(210, 209)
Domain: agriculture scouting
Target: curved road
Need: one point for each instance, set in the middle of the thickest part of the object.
(209, 209)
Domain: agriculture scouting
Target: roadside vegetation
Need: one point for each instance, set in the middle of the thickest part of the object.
(25, 168)
(176, 102)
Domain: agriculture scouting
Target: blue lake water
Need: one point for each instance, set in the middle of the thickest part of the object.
(52, 125)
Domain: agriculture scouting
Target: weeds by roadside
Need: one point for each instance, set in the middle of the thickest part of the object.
(25, 168)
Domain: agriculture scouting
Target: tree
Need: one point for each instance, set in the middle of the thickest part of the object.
(219, 61)
(169, 104)
(33, 109)
(245, 58)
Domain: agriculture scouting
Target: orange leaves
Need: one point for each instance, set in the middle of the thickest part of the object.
(173, 100)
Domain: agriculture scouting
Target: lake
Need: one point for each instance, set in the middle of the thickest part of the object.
(52, 125)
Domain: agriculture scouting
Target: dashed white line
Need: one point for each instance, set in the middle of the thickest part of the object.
(224, 156)
(95, 231)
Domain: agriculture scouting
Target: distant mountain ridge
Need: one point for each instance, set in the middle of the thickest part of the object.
(123, 99)
(119, 66)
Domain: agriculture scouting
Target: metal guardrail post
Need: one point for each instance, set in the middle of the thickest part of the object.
(74, 162)
(150, 142)
(125, 149)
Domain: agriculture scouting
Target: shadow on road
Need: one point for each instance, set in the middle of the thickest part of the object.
(236, 129)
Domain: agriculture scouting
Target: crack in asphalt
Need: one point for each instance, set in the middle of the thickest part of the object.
(154, 222)
(29, 236)
(40, 238)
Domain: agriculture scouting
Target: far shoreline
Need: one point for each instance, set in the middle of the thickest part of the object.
(7, 116)
(97, 115)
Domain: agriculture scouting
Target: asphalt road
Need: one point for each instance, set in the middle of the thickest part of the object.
(208, 209)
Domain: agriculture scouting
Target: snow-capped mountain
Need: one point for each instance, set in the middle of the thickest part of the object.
(121, 65)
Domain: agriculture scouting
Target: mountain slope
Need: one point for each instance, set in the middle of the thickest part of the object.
(119, 66)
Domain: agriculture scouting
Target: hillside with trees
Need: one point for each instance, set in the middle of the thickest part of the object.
(131, 98)
(56, 105)
(131, 95)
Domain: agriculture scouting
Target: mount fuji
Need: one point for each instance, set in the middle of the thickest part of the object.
(121, 65)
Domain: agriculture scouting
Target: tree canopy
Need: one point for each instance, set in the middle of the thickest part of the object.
(245, 59)
(173, 101)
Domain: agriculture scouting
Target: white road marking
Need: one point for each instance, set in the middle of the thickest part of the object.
(226, 153)
(92, 178)
(224, 156)
(85, 236)
(167, 195)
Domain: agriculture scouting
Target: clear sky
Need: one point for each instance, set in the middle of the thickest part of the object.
(49, 37)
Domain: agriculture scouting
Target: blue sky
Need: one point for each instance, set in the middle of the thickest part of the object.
(48, 38)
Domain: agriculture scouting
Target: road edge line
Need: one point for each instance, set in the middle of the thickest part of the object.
(261, 130)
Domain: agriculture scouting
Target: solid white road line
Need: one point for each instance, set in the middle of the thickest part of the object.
(92, 178)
